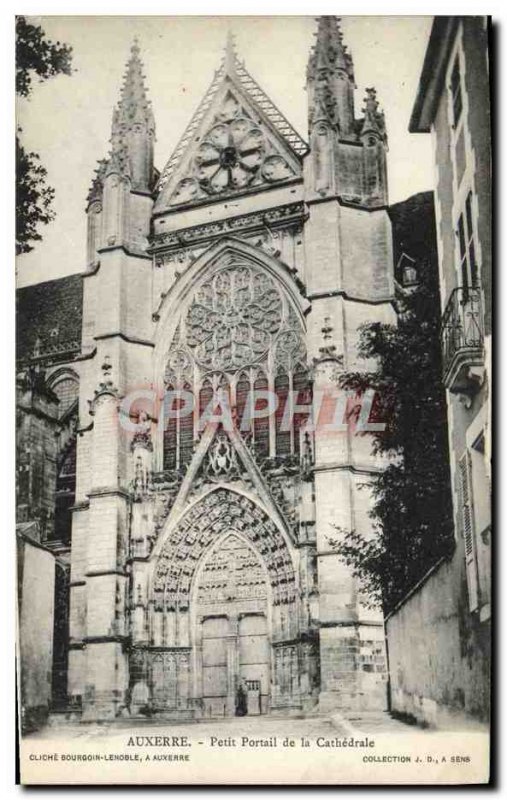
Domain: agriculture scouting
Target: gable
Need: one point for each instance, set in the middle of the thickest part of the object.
(222, 458)
(236, 142)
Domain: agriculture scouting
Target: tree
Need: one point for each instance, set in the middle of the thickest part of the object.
(35, 55)
(33, 198)
(412, 511)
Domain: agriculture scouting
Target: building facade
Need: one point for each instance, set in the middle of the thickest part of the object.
(47, 385)
(202, 511)
(445, 675)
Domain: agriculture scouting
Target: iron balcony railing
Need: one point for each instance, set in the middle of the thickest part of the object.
(462, 335)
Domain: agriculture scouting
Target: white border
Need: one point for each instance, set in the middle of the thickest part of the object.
(148, 7)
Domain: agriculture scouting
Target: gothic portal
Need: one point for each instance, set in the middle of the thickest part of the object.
(203, 581)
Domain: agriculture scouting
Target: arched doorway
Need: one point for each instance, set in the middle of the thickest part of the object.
(233, 661)
(224, 612)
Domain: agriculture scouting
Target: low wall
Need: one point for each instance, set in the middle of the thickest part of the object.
(439, 652)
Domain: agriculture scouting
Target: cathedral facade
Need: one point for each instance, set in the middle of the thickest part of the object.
(221, 301)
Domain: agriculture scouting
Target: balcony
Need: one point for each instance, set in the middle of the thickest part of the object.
(462, 342)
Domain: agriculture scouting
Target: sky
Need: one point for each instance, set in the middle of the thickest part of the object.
(67, 120)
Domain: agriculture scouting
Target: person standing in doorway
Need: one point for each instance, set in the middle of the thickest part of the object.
(241, 701)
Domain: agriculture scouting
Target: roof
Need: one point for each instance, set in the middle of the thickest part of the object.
(433, 72)
(48, 319)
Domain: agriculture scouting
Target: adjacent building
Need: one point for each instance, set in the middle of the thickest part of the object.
(439, 638)
(47, 384)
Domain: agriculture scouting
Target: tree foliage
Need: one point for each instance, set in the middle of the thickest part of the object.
(33, 198)
(412, 511)
(35, 56)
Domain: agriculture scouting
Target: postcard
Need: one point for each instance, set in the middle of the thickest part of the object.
(253, 378)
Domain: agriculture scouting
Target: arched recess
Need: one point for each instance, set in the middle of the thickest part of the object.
(235, 316)
(174, 564)
(225, 569)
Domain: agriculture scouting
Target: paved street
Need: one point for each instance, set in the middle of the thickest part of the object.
(260, 727)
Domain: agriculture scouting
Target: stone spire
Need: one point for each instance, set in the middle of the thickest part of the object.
(329, 52)
(128, 170)
(330, 78)
(133, 127)
(134, 105)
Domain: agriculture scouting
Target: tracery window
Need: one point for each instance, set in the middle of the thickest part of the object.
(66, 388)
(238, 338)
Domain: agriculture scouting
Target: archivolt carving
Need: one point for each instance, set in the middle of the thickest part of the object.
(219, 512)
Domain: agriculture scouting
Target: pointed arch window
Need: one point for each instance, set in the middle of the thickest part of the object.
(239, 336)
(282, 432)
(186, 430)
(170, 432)
(242, 395)
(301, 388)
(261, 421)
(205, 396)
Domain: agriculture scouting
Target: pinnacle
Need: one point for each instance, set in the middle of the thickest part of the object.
(371, 102)
(96, 187)
(230, 57)
(373, 118)
(135, 50)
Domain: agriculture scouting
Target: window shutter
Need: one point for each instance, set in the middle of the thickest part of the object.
(467, 521)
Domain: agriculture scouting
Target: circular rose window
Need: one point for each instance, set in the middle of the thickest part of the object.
(230, 155)
(233, 319)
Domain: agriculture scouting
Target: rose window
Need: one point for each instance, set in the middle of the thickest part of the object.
(230, 155)
(233, 319)
(238, 335)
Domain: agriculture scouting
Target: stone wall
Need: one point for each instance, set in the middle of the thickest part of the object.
(36, 587)
(439, 651)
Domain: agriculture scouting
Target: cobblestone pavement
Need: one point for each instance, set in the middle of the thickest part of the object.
(260, 727)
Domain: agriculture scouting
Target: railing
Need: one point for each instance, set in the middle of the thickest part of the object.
(462, 335)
